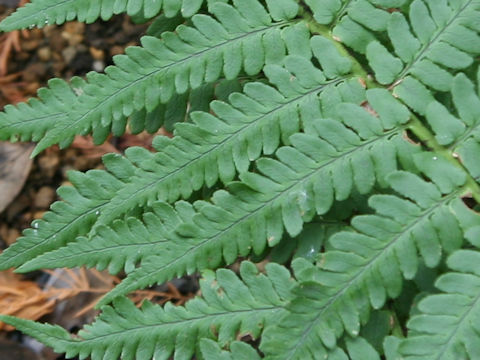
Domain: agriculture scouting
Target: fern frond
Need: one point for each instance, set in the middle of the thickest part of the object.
(229, 307)
(458, 130)
(448, 324)
(357, 349)
(365, 267)
(221, 146)
(304, 181)
(445, 38)
(31, 119)
(178, 109)
(238, 351)
(126, 244)
(367, 13)
(357, 21)
(77, 212)
(457, 127)
(354, 22)
(40, 13)
(211, 350)
(218, 146)
(193, 55)
(17, 120)
(119, 246)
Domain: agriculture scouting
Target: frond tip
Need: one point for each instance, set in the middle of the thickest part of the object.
(229, 307)
(41, 13)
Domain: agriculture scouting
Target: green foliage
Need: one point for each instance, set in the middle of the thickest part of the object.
(336, 140)
(229, 307)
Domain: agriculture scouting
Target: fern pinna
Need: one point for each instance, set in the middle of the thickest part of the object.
(338, 140)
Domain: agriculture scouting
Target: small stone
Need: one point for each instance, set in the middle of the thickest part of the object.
(44, 54)
(73, 33)
(48, 164)
(74, 27)
(69, 53)
(97, 54)
(21, 203)
(98, 66)
(44, 197)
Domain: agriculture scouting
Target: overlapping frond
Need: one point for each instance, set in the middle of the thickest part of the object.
(48, 12)
(213, 147)
(305, 180)
(238, 351)
(366, 266)
(255, 122)
(185, 59)
(30, 120)
(119, 246)
(296, 153)
(357, 349)
(447, 326)
(369, 14)
(229, 307)
(458, 131)
(430, 38)
(356, 23)
(68, 218)
(438, 38)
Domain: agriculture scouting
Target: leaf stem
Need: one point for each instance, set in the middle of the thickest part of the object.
(357, 68)
(424, 134)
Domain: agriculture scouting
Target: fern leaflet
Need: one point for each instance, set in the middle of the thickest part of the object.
(229, 307)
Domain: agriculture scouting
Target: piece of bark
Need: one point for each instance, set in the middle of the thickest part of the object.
(15, 165)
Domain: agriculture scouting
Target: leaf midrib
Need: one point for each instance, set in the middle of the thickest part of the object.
(369, 265)
(147, 76)
(421, 54)
(227, 313)
(213, 147)
(266, 204)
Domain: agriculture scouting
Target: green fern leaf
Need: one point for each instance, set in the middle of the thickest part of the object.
(284, 150)
(460, 134)
(68, 218)
(229, 307)
(48, 12)
(447, 326)
(286, 192)
(355, 22)
(242, 351)
(365, 267)
(446, 38)
(219, 146)
(457, 130)
(16, 121)
(238, 351)
(367, 13)
(152, 74)
(52, 107)
(119, 246)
